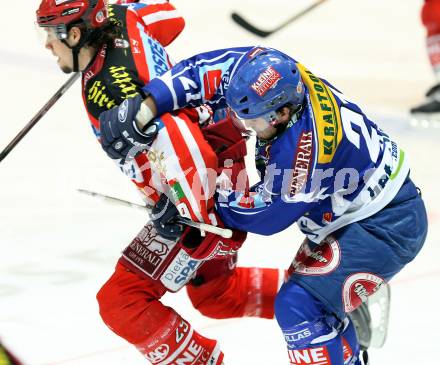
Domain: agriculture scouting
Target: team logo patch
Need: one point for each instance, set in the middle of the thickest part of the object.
(357, 288)
(266, 81)
(121, 43)
(100, 16)
(327, 217)
(321, 260)
(313, 356)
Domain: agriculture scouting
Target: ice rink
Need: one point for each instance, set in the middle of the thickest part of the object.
(58, 247)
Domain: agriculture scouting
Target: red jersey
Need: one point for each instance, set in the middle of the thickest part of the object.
(180, 160)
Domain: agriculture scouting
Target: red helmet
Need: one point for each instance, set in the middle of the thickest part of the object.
(61, 13)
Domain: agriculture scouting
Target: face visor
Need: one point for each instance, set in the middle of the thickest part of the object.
(261, 125)
(49, 33)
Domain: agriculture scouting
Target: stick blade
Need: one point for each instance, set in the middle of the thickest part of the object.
(237, 18)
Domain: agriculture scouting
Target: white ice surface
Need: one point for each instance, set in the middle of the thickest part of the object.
(57, 248)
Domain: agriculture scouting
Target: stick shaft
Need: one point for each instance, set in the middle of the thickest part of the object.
(265, 33)
(223, 232)
(39, 115)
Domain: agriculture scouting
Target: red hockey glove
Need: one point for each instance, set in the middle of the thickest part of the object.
(210, 246)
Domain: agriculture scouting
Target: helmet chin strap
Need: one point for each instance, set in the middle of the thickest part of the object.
(75, 53)
(77, 48)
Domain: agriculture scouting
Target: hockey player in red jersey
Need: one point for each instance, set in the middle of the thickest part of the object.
(118, 49)
(430, 14)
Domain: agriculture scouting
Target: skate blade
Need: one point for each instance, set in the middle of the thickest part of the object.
(379, 306)
(421, 120)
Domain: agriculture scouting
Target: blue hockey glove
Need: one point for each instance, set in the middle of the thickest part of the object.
(208, 246)
(120, 136)
(164, 215)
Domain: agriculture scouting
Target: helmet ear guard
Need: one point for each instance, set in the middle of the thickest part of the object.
(265, 83)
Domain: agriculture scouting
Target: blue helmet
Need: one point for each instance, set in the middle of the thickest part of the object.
(263, 84)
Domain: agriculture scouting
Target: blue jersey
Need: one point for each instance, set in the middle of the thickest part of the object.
(331, 166)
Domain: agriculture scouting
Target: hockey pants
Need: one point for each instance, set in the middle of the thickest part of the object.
(130, 306)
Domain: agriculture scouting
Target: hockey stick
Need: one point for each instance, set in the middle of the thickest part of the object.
(223, 232)
(265, 33)
(39, 115)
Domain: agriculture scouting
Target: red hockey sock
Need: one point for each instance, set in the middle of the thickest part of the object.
(176, 342)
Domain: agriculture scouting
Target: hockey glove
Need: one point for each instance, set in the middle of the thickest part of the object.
(211, 246)
(199, 247)
(164, 215)
(120, 136)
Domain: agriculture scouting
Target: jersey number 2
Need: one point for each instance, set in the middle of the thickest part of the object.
(349, 119)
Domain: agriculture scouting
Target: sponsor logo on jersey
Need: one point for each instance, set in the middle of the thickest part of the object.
(156, 57)
(211, 82)
(179, 271)
(266, 80)
(302, 162)
(326, 113)
(357, 288)
(59, 2)
(312, 356)
(292, 338)
(70, 11)
(148, 251)
(192, 354)
(321, 260)
(123, 80)
(347, 351)
(98, 96)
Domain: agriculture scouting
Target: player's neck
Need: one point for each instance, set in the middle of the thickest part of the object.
(85, 56)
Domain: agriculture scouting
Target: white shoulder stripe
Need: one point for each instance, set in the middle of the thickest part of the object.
(153, 2)
(160, 15)
(168, 164)
(196, 155)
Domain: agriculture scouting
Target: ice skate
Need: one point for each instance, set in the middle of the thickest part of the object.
(428, 113)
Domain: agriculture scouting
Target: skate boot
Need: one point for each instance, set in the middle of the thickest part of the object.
(428, 113)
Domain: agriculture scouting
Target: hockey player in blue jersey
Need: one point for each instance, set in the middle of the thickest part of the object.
(325, 165)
